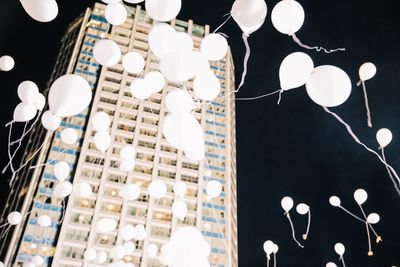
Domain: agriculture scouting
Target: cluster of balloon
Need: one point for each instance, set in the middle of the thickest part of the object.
(101, 123)
(179, 207)
(384, 137)
(366, 72)
(288, 17)
(32, 103)
(41, 10)
(270, 248)
(187, 247)
(287, 204)
(181, 129)
(361, 196)
(7, 63)
(250, 16)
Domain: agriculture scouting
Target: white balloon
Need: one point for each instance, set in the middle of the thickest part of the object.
(152, 250)
(101, 121)
(14, 218)
(367, 71)
(90, 254)
(275, 248)
(102, 141)
(134, 1)
(214, 47)
(7, 63)
(69, 95)
(24, 112)
(130, 192)
(101, 257)
(61, 170)
(69, 136)
(127, 164)
(127, 151)
(196, 153)
(206, 86)
(44, 220)
(37, 260)
(1, 264)
(50, 121)
(62, 189)
(140, 232)
(179, 209)
(287, 16)
(106, 52)
(334, 201)
(214, 189)
(302, 209)
(127, 232)
(295, 70)
(250, 30)
(162, 40)
(28, 92)
(140, 89)
(268, 247)
(157, 189)
(180, 188)
(330, 264)
(179, 102)
(133, 62)
(177, 66)
(328, 86)
(41, 10)
(83, 190)
(339, 249)
(384, 137)
(116, 13)
(106, 225)
(373, 218)
(155, 81)
(184, 132)
(117, 253)
(129, 247)
(40, 102)
(163, 10)
(287, 203)
(360, 196)
(200, 62)
(249, 13)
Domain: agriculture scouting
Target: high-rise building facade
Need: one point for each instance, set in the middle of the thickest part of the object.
(138, 123)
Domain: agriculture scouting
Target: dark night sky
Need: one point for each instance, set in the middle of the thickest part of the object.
(293, 149)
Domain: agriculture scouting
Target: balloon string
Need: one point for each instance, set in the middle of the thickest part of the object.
(15, 151)
(6, 231)
(257, 97)
(308, 225)
(366, 221)
(51, 161)
(369, 239)
(318, 48)
(362, 144)
(29, 130)
(367, 105)
(293, 231)
(26, 163)
(351, 214)
(280, 96)
(396, 186)
(220, 26)
(274, 259)
(268, 262)
(245, 61)
(9, 148)
(342, 259)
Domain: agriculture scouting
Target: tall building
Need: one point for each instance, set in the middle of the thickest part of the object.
(135, 122)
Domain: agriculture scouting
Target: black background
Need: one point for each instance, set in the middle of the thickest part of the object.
(293, 149)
